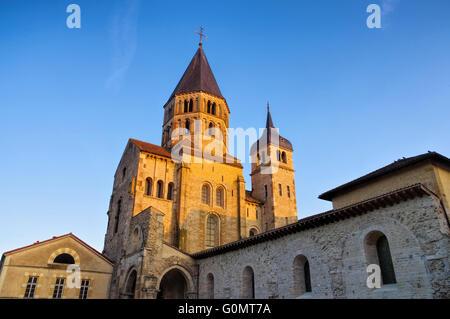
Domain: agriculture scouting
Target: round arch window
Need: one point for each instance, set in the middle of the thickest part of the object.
(64, 259)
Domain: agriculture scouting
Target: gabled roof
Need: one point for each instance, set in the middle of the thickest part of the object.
(397, 165)
(151, 148)
(198, 77)
(332, 216)
(38, 243)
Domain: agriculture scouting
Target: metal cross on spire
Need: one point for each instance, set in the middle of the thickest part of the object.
(201, 34)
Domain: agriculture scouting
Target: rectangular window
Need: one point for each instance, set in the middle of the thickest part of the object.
(84, 289)
(59, 288)
(280, 189)
(289, 192)
(31, 287)
(265, 190)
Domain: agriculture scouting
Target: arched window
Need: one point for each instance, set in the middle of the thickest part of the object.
(248, 283)
(160, 189)
(186, 105)
(212, 231)
(302, 276)
(124, 173)
(283, 157)
(206, 194)
(148, 186)
(278, 155)
(170, 191)
(64, 259)
(378, 252)
(213, 109)
(253, 232)
(220, 197)
(191, 105)
(187, 125)
(130, 286)
(288, 192)
(135, 240)
(116, 225)
(210, 286)
(208, 109)
(211, 129)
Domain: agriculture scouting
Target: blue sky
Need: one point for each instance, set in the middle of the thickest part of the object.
(350, 99)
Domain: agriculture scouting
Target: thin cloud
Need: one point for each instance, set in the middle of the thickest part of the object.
(124, 41)
(388, 6)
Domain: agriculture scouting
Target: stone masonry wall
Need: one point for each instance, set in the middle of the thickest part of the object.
(418, 235)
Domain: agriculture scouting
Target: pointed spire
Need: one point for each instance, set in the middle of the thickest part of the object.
(198, 77)
(269, 122)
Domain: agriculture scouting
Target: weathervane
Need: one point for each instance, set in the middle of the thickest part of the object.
(201, 34)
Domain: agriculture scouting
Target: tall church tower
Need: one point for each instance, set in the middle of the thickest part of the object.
(273, 177)
(197, 97)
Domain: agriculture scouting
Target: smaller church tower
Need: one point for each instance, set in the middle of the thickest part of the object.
(273, 177)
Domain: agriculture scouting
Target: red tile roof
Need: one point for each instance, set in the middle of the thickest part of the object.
(55, 238)
(161, 151)
(332, 216)
(397, 165)
(151, 148)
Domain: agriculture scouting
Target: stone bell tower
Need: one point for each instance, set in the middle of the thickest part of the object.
(273, 179)
(197, 97)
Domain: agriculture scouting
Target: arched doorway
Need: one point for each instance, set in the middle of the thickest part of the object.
(173, 285)
(130, 286)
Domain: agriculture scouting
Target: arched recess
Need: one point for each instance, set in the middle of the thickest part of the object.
(206, 194)
(302, 275)
(220, 196)
(253, 231)
(212, 230)
(129, 290)
(403, 243)
(248, 283)
(175, 283)
(148, 186)
(64, 251)
(210, 286)
(377, 250)
(136, 239)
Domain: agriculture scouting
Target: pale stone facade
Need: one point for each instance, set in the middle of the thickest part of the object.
(40, 261)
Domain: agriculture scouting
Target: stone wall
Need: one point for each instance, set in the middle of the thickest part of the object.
(418, 234)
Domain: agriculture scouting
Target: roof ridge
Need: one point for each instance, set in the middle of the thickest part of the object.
(320, 219)
(59, 237)
(396, 165)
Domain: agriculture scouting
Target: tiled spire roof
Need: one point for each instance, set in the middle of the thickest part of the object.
(198, 77)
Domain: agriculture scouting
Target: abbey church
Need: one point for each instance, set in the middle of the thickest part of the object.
(182, 223)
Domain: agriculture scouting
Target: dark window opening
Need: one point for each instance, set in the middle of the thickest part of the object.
(169, 191)
(385, 259)
(64, 259)
(160, 191)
